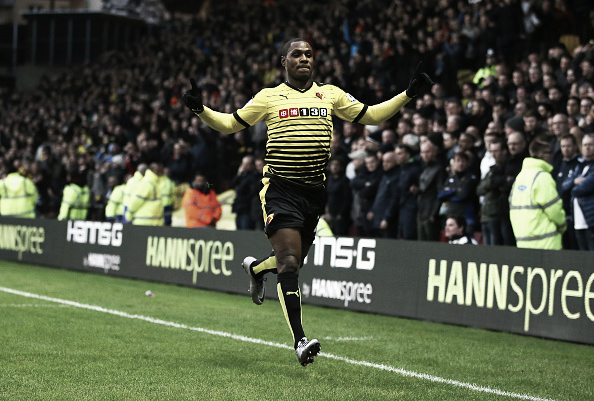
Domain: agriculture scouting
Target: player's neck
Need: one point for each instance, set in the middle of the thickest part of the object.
(299, 84)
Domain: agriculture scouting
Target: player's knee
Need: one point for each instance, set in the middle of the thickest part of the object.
(288, 264)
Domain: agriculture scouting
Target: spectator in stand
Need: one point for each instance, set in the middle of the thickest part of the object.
(585, 107)
(494, 203)
(532, 124)
(116, 113)
(246, 186)
(534, 79)
(466, 144)
(567, 170)
(420, 126)
(487, 160)
(581, 185)
(383, 215)
(501, 112)
(459, 191)
(481, 114)
(339, 198)
(456, 231)
(364, 186)
(559, 129)
(430, 185)
(518, 151)
(536, 210)
(410, 170)
(450, 144)
(356, 161)
(572, 108)
(403, 127)
(180, 164)
(201, 205)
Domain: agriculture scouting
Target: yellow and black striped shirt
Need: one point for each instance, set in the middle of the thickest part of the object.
(299, 128)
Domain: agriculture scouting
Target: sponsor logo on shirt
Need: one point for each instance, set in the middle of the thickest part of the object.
(303, 112)
(351, 97)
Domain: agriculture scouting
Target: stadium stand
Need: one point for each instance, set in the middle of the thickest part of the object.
(122, 109)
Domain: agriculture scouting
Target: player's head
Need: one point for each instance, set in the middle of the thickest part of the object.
(297, 58)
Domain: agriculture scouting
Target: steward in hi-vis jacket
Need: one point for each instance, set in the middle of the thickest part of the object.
(18, 195)
(76, 198)
(536, 210)
(144, 205)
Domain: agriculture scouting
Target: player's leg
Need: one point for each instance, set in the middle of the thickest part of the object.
(256, 269)
(287, 246)
(286, 243)
(259, 267)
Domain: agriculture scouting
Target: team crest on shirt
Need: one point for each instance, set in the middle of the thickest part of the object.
(269, 218)
(320, 95)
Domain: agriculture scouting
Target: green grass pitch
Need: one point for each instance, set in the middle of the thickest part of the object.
(75, 336)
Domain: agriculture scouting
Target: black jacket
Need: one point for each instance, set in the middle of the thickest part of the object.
(430, 185)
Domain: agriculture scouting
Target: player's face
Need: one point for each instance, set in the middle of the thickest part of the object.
(299, 62)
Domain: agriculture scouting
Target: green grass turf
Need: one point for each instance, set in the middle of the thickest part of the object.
(50, 351)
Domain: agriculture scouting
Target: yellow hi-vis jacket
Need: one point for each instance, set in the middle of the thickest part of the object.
(145, 206)
(536, 210)
(167, 188)
(18, 196)
(114, 210)
(75, 203)
(129, 188)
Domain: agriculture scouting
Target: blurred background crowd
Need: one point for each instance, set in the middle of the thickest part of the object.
(506, 72)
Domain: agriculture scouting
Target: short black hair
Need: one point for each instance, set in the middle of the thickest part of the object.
(287, 45)
(460, 221)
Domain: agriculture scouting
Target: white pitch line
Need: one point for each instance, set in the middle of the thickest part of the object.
(387, 368)
(32, 306)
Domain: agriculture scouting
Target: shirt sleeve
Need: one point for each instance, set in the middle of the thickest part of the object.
(224, 123)
(381, 112)
(254, 111)
(347, 107)
(228, 123)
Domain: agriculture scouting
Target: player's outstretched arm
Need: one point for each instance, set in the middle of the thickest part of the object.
(381, 112)
(221, 122)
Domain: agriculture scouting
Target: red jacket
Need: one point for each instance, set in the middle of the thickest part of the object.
(201, 209)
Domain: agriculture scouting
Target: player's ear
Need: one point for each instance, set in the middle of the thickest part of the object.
(283, 60)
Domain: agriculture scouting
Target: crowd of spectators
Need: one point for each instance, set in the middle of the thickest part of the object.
(505, 74)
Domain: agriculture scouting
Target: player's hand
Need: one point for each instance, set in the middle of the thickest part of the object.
(418, 79)
(193, 98)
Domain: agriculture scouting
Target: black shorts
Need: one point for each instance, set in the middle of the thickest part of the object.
(291, 206)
